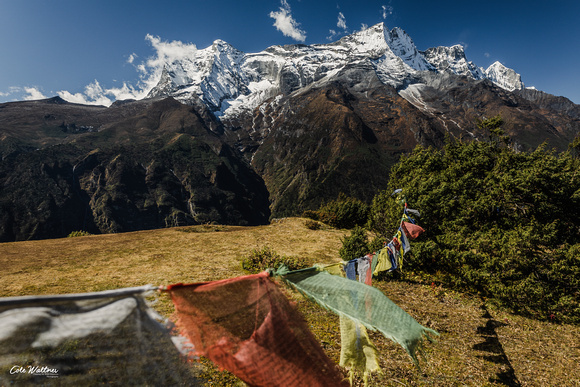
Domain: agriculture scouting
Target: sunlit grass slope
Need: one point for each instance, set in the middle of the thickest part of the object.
(478, 345)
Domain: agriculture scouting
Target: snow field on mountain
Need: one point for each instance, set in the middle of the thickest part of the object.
(231, 82)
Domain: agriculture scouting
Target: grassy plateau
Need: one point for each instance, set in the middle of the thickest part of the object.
(478, 345)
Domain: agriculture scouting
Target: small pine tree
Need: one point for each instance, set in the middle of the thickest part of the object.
(355, 245)
(574, 146)
(496, 133)
(344, 212)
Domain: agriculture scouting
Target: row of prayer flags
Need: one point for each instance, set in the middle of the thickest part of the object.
(357, 351)
(245, 325)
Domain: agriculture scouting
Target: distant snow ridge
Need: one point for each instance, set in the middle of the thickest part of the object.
(504, 77)
(230, 81)
(452, 59)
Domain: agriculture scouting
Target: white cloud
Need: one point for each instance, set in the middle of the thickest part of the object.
(33, 94)
(169, 52)
(141, 68)
(285, 23)
(149, 71)
(12, 90)
(166, 53)
(386, 10)
(94, 95)
(332, 35)
(125, 92)
(487, 54)
(363, 26)
(132, 58)
(341, 21)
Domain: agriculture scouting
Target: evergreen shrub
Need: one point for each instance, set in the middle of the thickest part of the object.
(501, 223)
(312, 224)
(78, 234)
(344, 212)
(355, 245)
(264, 258)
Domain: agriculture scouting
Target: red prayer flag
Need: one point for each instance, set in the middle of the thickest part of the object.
(247, 326)
(412, 230)
(369, 273)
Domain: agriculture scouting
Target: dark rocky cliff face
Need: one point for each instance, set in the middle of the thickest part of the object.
(158, 165)
(334, 142)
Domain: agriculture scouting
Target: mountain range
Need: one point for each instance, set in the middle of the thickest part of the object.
(231, 82)
(239, 138)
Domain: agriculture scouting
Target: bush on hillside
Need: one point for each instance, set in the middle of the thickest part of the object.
(78, 234)
(499, 222)
(377, 243)
(384, 215)
(312, 224)
(344, 212)
(355, 245)
(264, 258)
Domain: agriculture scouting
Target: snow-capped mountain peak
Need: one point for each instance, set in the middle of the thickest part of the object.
(230, 81)
(504, 77)
(452, 59)
(370, 42)
(378, 40)
(403, 46)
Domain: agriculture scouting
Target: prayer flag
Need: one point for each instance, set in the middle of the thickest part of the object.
(384, 261)
(412, 230)
(404, 241)
(109, 337)
(247, 326)
(373, 310)
(364, 270)
(356, 350)
(414, 212)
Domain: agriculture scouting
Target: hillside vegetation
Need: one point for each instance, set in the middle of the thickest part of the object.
(502, 224)
(479, 344)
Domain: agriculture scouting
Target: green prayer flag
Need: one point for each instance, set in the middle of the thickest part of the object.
(361, 303)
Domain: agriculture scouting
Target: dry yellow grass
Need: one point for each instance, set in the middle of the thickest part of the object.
(477, 347)
(156, 257)
(100, 262)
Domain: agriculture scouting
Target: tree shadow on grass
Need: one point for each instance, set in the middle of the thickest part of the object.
(492, 345)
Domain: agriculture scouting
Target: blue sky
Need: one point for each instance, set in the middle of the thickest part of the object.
(101, 50)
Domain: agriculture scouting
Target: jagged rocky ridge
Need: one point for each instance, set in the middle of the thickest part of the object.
(254, 136)
(231, 82)
(316, 120)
